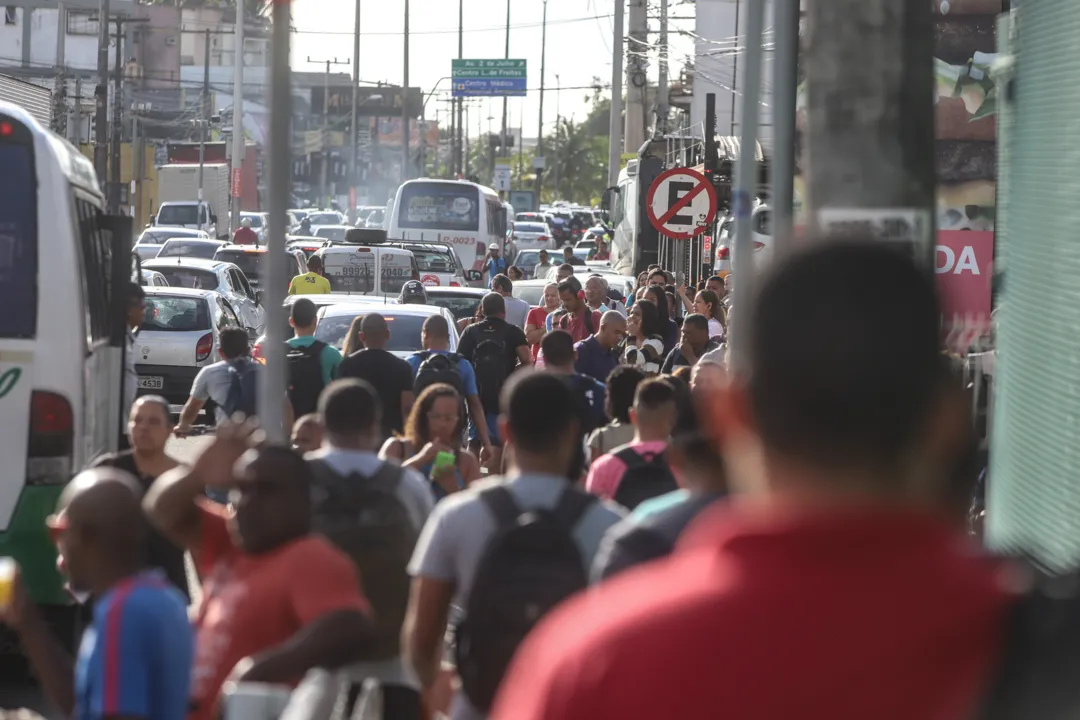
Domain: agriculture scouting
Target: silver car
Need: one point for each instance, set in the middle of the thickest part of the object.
(150, 241)
(222, 277)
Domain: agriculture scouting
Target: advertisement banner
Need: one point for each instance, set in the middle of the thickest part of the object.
(387, 132)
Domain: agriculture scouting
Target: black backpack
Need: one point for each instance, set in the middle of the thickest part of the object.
(305, 376)
(438, 368)
(366, 520)
(243, 388)
(489, 362)
(528, 567)
(591, 399)
(645, 477)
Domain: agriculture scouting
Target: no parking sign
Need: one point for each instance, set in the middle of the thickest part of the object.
(681, 203)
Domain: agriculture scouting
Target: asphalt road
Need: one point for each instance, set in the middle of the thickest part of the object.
(24, 694)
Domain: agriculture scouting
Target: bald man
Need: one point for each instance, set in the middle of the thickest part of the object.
(598, 354)
(135, 658)
(388, 374)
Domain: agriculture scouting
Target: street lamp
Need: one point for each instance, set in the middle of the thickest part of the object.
(353, 190)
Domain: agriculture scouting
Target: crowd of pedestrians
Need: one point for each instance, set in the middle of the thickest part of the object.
(658, 534)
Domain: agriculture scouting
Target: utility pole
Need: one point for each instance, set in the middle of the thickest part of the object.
(272, 388)
(871, 119)
(785, 88)
(136, 175)
(459, 164)
(662, 109)
(139, 151)
(556, 151)
(712, 167)
(239, 147)
(615, 125)
(405, 104)
(354, 126)
(117, 124)
(502, 136)
(637, 79)
(75, 116)
(325, 183)
(205, 119)
(540, 129)
(735, 67)
(746, 177)
(101, 95)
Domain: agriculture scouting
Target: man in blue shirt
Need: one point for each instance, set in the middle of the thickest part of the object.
(496, 264)
(558, 349)
(435, 338)
(135, 658)
(597, 355)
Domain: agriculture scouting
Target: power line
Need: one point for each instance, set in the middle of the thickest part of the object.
(444, 31)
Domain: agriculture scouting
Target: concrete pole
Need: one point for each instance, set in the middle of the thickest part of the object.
(405, 130)
(615, 125)
(117, 123)
(101, 96)
(272, 388)
(204, 120)
(540, 122)
(239, 147)
(354, 126)
(662, 108)
(746, 177)
(785, 87)
(459, 148)
(871, 117)
(636, 75)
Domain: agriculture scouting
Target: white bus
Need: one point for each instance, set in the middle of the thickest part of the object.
(64, 269)
(469, 216)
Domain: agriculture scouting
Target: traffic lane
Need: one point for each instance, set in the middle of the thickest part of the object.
(186, 449)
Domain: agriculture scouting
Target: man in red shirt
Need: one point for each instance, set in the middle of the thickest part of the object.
(576, 317)
(277, 601)
(244, 235)
(844, 589)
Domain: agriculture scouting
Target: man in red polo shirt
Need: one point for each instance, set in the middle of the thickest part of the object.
(576, 317)
(843, 589)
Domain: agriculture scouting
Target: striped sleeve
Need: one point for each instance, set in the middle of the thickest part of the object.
(125, 668)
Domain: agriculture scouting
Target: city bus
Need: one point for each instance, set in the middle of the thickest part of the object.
(465, 214)
(64, 267)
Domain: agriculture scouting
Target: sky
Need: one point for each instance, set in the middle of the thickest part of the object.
(579, 46)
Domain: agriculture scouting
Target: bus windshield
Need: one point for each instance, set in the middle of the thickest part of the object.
(439, 206)
(18, 241)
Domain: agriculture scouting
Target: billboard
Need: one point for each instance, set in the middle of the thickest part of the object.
(371, 101)
(386, 131)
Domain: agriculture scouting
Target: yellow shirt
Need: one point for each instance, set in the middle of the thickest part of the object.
(309, 284)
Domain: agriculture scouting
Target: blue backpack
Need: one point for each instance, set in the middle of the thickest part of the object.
(243, 387)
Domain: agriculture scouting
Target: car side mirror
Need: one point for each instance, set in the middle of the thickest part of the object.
(474, 275)
(253, 334)
(153, 219)
(259, 297)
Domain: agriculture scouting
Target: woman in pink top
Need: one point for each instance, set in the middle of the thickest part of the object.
(535, 320)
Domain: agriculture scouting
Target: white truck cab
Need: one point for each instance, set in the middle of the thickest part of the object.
(189, 214)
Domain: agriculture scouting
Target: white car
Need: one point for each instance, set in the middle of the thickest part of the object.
(151, 239)
(250, 261)
(531, 291)
(318, 218)
(532, 236)
(180, 335)
(375, 218)
(405, 322)
(189, 248)
(151, 278)
(332, 233)
(438, 264)
(761, 223)
(320, 301)
(224, 278)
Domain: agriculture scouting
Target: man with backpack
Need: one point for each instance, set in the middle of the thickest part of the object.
(436, 364)
(576, 317)
(391, 376)
(636, 472)
(505, 551)
(231, 384)
(311, 364)
(848, 575)
(558, 349)
(495, 348)
(373, 511)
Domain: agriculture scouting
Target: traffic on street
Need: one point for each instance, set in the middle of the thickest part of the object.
(322, 399)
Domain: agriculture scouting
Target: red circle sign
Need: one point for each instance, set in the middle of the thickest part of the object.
(681, 203)
(430, 280)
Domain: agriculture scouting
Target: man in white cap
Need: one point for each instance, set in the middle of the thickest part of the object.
(244, 235)
(496, 264)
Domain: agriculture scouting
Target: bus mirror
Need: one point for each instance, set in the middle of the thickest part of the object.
(607, 200)
(118, 228)
(474, 275)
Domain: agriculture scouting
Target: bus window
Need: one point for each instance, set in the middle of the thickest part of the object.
(439, 206)
(18, 238)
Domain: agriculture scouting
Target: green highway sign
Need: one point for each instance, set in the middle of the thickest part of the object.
(487, 78)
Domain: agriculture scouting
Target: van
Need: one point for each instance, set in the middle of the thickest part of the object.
(352, 268)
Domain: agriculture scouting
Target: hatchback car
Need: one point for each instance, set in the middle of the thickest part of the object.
(250, 261)
(179, 335)
(151, 278)
(150, 241)
(222, 277)
(189, 248)
(332, 233)
(532, 236)
(320, 301)
(404, 321)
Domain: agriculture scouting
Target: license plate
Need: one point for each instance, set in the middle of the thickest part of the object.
(151, 383)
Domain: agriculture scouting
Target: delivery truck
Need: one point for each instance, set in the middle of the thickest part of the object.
(178, 198)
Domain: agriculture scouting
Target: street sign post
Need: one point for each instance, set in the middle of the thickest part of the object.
(681, 203)
(489, 78)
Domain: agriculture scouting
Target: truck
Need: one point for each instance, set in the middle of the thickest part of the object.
(178, 198)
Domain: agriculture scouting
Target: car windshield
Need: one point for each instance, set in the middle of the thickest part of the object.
(178, 215)
(189, 248)
(461, 306)
(531, 294)
(337, 234)
(193, 278)
(530, 227)
(323, 218)
(256, 220)
(404, 330)
(432, 260)
(249, 262)
(175, 314)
